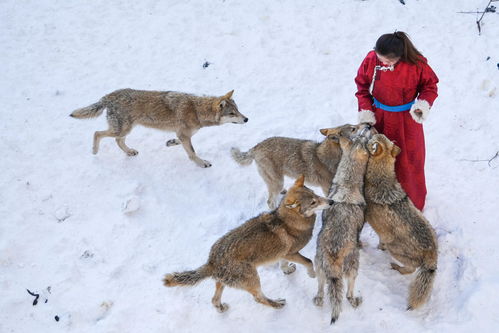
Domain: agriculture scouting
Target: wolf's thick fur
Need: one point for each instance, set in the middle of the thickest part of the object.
(181, 113)
(401, 227)
(338, 241)
(282, 233)
(277, 157)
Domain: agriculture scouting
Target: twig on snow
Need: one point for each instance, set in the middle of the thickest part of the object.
(488, 9)
(35, 302)
(488, 161)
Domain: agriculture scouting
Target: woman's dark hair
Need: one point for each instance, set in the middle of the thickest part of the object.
(398, 45)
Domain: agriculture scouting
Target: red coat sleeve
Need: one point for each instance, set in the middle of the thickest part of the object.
(363, 82)
(427, 87)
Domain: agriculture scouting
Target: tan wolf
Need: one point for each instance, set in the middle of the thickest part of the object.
(401, 227)
(277, 157)
(177, 112)
(338, 241)
(234, 258)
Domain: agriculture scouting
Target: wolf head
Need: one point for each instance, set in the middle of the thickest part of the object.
(348, 131)
(383, 153)
(354, 149)
(381, 184)
(304, 201)
(380, 147)
(226, 108)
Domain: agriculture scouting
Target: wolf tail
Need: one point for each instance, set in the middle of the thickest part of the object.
(91, 111)
(240, 157)
(335, 292)
(188, 278)
(420, 288)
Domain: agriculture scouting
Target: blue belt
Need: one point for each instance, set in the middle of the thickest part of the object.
(397, 108)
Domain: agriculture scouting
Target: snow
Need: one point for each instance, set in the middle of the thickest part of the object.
(101, 231)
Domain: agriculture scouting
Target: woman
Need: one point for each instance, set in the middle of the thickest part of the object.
(396, 89)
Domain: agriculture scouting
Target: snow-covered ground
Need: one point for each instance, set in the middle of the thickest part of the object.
(94, 235)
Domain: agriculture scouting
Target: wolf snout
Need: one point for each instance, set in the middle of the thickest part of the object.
(245, 120)
(330, 202)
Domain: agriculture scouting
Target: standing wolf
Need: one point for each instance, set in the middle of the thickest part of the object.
(338, 241)
(181, 113)
(234, 258)
(401, 227)
(277, 157)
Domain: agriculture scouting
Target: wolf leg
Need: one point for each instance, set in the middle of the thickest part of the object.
(325, 188)
(173, 142)
(299, 259)
(187, 144)
(321, 281)
(120, 140)
(120, 124)
(403, 269)
(351, 276)
(273, 180)
(121, 143)
(251, 284)
(216, 300)
(97, 137)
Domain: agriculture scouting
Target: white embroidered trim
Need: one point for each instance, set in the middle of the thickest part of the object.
(367, 116)
(422, 105)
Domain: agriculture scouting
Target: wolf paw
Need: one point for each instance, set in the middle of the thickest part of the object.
(311, 273)
(355, 301)
(172, 142)
(288, 268)
(402, 270)
(132, 152)
(278, 303)
(318, 300)
(222, 307)
(203, 164)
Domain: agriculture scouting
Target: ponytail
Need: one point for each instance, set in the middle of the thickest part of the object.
(398, 45)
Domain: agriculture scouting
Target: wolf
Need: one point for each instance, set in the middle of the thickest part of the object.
(234, 258)
(401, 227)
(337, 252)
(277, 157)
(172, 111)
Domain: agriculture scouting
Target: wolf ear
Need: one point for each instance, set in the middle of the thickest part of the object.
(395, 151)
(334, 138)
(228, 95)
(300, 181)
(376, 149)
(291, 205)
(323, 131)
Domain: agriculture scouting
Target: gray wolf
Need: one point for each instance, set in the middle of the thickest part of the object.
(401, 227)
(177, 112)
(277, 157)
(234, 258)
(338, 245)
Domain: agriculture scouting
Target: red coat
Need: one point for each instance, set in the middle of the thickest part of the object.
(404, 84)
